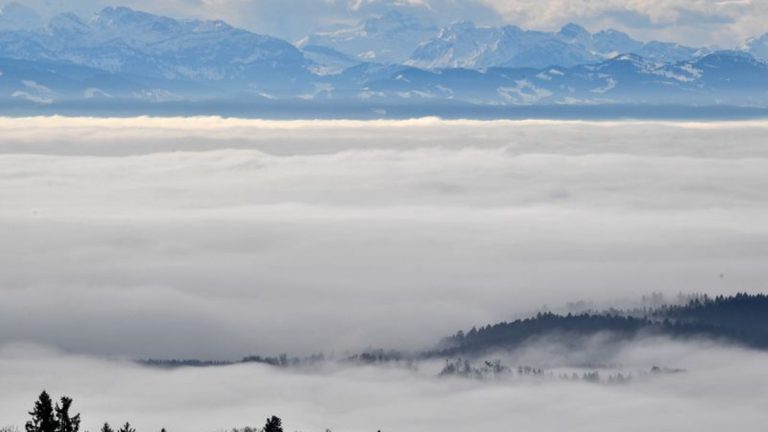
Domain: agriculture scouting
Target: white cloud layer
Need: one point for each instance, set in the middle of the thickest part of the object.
(218, 238)
(722, 389)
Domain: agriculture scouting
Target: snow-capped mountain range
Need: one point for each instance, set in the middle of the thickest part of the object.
(389, 39)
(123, 54)
(467, 46)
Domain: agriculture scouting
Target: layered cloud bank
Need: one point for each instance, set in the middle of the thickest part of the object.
(218, 238)
(722, 388)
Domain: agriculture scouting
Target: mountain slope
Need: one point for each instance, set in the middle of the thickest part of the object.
(719, 78)
(388, 39)
(125, 54)
(467, 46)
(121, 40)
(758, 47)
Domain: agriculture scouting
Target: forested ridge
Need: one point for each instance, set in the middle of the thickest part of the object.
(740, 319)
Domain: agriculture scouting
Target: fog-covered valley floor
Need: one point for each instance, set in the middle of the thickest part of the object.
(722, 388)
(219, 238)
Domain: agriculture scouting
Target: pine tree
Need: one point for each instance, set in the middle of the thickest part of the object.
(274, 424)
(43, 417)
(66, 423)
(107, 428)
(126, 428)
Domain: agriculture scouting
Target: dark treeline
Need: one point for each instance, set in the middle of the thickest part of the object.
(740, 319)
(495, 369)
(278, 361)
(739, 312)
(47, 417)
(569, 329)
(283, 360)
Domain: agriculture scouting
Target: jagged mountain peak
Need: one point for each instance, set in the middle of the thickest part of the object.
(122, 12)
(122, 40)
(727, 57)
(611, 42)
(388, 38)
(465, 45)
(456, 30)
(613, 33)
(758, 47)
(574, 31)
(623, 64)
(139, 23)
(761, 39)
(629, 58)
(68, 23)
(395, 20)
(463, 25)
(129, 20)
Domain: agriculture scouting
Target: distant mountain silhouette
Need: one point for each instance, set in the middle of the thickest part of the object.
(121, 56)
(467, 46)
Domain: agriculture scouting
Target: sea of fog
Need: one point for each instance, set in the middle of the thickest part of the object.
(722, 388)
(218, 238)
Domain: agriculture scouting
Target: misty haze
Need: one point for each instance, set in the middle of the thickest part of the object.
(383, 215)
(216, 239)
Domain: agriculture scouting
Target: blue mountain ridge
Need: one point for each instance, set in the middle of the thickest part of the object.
(121, 54)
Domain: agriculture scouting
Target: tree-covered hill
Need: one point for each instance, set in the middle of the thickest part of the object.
(740, 319)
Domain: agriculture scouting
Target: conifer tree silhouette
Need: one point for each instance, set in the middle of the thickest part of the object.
(126, 428)
(274, 424)
(107, 428)
(43, 416)
(66, 422)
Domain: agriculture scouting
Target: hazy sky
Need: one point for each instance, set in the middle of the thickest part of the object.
(724, 23)
(215, 238)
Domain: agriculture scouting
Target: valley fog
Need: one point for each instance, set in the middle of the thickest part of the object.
(721, 388)
(218, 238)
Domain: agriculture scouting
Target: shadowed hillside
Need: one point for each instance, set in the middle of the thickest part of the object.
(742, 319)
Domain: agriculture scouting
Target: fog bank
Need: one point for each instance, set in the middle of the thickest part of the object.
(722, 389)
(218, 238)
